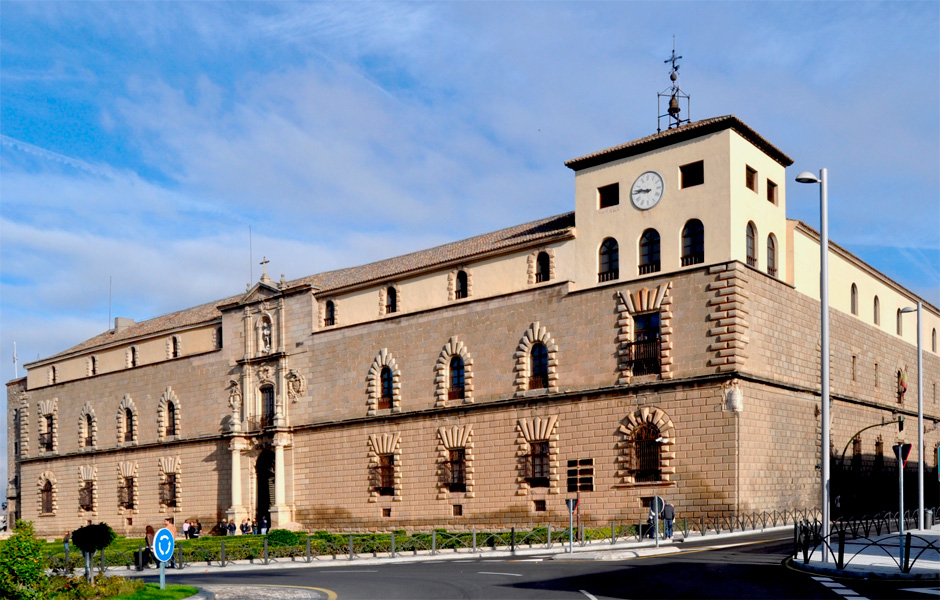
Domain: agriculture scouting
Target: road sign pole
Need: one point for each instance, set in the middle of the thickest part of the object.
(162, 575)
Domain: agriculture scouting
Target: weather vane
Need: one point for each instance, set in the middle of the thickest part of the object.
(674, 94)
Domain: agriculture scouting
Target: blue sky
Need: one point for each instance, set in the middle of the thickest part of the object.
(140, 141)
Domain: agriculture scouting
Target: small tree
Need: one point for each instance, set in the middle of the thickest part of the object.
(90, 539)
(23, 565)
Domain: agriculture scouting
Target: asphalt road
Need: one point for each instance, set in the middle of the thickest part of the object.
(742, 569)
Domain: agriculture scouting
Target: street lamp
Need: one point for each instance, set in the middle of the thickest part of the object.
(807, 177)
(920, 416)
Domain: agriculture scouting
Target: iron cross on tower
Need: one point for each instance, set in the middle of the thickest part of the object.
(673, 112)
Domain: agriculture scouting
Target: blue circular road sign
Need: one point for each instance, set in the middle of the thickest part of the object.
(163, 544)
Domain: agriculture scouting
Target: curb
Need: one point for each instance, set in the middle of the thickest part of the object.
(857, 574)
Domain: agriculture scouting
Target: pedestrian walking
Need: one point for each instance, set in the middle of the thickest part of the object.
(169, 524)
(186, 529)
(149, 535)
(669, 516)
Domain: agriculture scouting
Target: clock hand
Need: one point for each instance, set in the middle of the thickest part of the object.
(641, 191)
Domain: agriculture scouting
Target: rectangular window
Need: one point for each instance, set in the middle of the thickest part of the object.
(457, 470)
(458, 510)
(750, 178)
(86, 496)
(538, 465)
(643, 355)
(45, 438)
(771, 192)
(692, 174)
(581, 475)
(168, 490)
(854, 365)
(126, 493)
(539, 506)
(386, 512)
(385, 475)
(608, 195)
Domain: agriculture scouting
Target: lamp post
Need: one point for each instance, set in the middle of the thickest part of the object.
(807, 177)
(920, 416)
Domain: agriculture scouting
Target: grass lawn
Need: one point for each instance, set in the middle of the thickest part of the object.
(152, 591)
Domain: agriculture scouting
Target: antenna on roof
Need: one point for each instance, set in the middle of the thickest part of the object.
(251, 260)
(673, 112)
(109, 301)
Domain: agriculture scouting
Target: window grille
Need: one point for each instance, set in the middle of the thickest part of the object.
(383, 475)
(267, 406)
(86, 496)
(581, 475)
(457, 389)
(537, 464)
(645, 454)
(539, 375)
(45, 441)
(751, 245)
(126, 493)
(649, 252)
(609, 261)
(46, 498)
(771, 256)
(644, 353)
(542, 267)
(330, 318)
(168, 490)
(128, 425)
(461, 290)
(693, 243)
(456, 470)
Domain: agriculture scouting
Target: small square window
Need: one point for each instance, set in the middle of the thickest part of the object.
(458, 510)
(692, 174)
(750, 178)
(386, 512)
(771, 192)
(539, 506)
(608, 195)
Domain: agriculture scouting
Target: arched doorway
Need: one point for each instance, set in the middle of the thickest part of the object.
(265, 472)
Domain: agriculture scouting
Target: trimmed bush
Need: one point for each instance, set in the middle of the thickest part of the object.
(283, 536)
(23, 565)
(92, 538)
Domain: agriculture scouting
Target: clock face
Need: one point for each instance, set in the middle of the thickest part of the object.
(647, 190)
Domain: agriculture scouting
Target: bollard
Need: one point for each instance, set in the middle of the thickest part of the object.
(805, 544)
(907, 553)
(265, 550)
(841, 562)
(222, 554)
(549, 540)
(474, 539)
(140, 558)
(179, 559)
(613, 533)
(351, 554)
(308, 548)
(393, 544)
(512, 541)
(433, 542)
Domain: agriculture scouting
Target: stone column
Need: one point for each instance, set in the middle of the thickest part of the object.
(237, 512)
(281, 512)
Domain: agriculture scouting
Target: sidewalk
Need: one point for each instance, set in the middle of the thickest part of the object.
(865, 559)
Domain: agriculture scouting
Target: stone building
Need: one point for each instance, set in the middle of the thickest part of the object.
(662, 339)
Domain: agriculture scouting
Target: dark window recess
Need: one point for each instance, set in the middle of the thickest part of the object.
(693, 243)
(644, 454)
(391, 300)
(540, 505)
(643, 355)
(386, 512)
(649, 252)
(46, 498)
(609, 195)
(86, 496)
(385, 400)
(750, 178)
(543, 266)
(751, 245)
(457, 389)
(458, 510)
(456, 470)
(126, 493)
(329, 318)
(89, 428)
(267, 406)
(128, 425)
(461, 290)
(168, 490)
(771, 192)
(692, 174)
(170, 419)
(771, 256)
(581, 475)
(539, 357)
(383, 475)
(609, 263)
(537, 465)
(176, 347)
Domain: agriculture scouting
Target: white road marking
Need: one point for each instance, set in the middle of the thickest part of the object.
(839, 588)
(588, 595)
(527, 560)
(492, 573)
(356, 571)
(929, 591)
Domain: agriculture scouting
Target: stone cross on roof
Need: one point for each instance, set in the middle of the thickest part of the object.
(264, 265)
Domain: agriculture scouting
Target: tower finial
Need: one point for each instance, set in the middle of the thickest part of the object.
(673, 110)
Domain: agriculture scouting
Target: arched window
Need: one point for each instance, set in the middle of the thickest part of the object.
(609, 267)
(461, 290)
(391, 300)
(853, 301)
(693, 243)
(94, 365)
(457, 379)
(176, 346)
(645, 454)
(933, 340)
(128, 425)
(538, 378)
(751, 245)
(17, 433)
(53, 374)
(267, 406)
(329, 317)
(385, 400)
(218, 337)
(900, 322)
(170, 418)
(134, 357)
(771, 255)
(543, 266)
(46, 497)
(877, 311)
(649, 252)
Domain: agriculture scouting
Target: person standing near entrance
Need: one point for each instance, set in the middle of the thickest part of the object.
(669, 515)
(264, 525)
